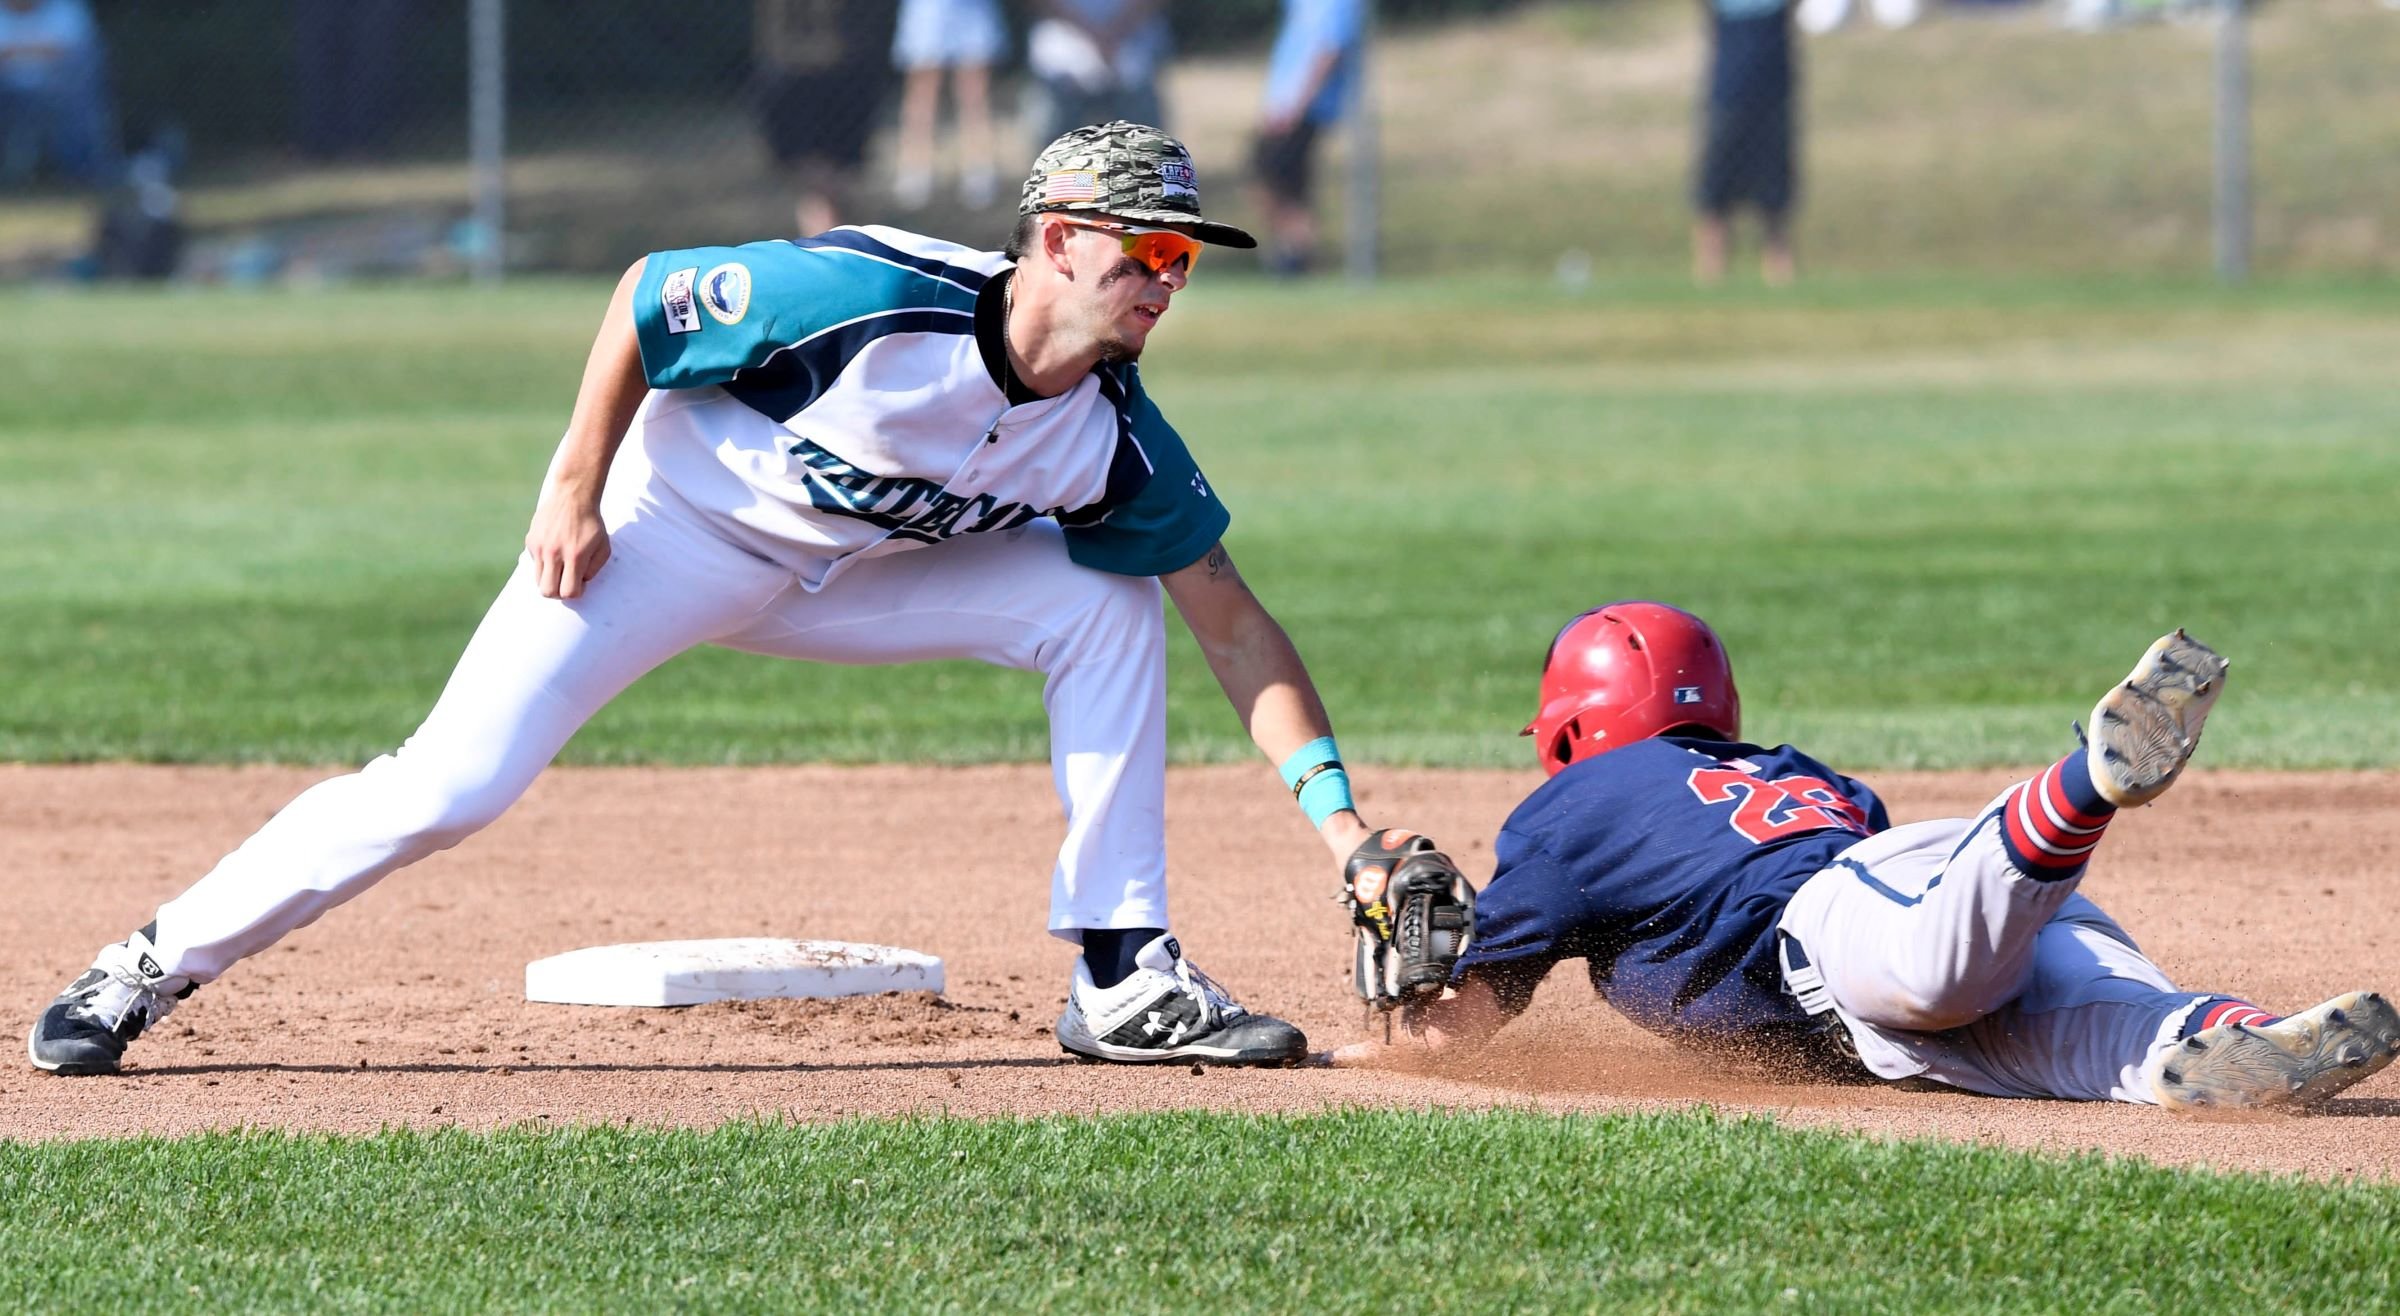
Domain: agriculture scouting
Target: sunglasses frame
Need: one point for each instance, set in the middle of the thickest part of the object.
(1132, 238)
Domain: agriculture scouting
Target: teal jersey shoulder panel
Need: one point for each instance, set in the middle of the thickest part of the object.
(703, 314)
(1168, 521)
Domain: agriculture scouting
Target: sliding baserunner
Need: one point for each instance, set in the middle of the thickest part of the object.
(1724, 892)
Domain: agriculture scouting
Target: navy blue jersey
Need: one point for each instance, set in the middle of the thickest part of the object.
(1666, 864)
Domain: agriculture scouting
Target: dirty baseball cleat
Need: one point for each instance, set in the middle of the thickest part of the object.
(2295, 1061)
(86, 1030)
(1170, 1011)
(2145, 730)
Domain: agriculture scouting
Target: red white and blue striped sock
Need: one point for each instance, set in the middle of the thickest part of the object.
(2210, 1011)
(2051, 824)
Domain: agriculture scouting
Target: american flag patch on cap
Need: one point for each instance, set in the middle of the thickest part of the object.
(1071, 185)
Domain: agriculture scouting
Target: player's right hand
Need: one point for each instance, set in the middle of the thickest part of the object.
(567, 544)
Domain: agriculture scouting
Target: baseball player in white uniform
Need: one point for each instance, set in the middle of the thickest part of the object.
(1727, 892)
(863, 447)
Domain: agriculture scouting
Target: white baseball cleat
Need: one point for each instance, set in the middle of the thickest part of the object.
(2144, 731)
(1170, 1011)
(2296, 1061)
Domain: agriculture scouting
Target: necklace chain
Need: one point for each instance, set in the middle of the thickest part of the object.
(1008, 308)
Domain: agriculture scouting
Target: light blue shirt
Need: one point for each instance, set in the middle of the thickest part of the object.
(1310, 28)
(64, 24)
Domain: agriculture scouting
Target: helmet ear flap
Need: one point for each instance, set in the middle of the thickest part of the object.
(1562, 745)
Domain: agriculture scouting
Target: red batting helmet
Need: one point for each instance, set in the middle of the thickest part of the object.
(1625, 672)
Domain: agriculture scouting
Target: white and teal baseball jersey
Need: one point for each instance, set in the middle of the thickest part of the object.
(840, 397)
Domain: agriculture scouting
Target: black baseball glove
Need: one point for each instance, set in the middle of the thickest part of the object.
(1415, 915)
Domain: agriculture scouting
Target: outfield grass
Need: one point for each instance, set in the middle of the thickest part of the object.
(1498, 1211)
(1932, 519)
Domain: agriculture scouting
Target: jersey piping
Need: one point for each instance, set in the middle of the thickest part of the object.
(791, 381)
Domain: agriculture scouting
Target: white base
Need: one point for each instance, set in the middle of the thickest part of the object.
(727, 969)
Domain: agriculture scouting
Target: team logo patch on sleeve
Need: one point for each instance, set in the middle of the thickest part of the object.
(675, 297)
(726, 292)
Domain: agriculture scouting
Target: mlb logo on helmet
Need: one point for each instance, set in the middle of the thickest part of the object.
(1687, 694)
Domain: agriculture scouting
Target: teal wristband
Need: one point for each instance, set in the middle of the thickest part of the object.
(1313, 754)
(1314, 772)
(1325, 794)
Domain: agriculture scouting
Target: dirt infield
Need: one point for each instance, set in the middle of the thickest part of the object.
(407, 1006)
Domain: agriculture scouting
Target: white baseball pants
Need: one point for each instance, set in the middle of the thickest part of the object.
(1947, 962)
(538, 668)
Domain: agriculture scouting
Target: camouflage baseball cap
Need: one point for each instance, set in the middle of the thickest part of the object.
(1129, 170)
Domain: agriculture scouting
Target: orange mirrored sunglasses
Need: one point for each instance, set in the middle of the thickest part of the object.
(1155, 248)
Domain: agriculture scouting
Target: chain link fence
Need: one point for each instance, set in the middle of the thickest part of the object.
(288, 141)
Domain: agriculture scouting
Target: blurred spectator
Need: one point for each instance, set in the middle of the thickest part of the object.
(821, 79)
(1309, 77)
(344, 89)
(1746, 136)
(55, 113)
(1098, 61)
(965, 37)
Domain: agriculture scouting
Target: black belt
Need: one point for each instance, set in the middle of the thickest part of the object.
(1825, 1033)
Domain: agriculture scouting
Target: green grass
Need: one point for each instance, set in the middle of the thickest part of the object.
(1933, 519)
(1338, 1212)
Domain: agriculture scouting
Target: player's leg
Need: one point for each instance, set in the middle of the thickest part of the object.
(1931, 926)
(2083, 1025)
(2098, 1021)
(535, 670)
(1015, 600)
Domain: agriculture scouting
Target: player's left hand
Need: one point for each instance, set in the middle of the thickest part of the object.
(1414, 914)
